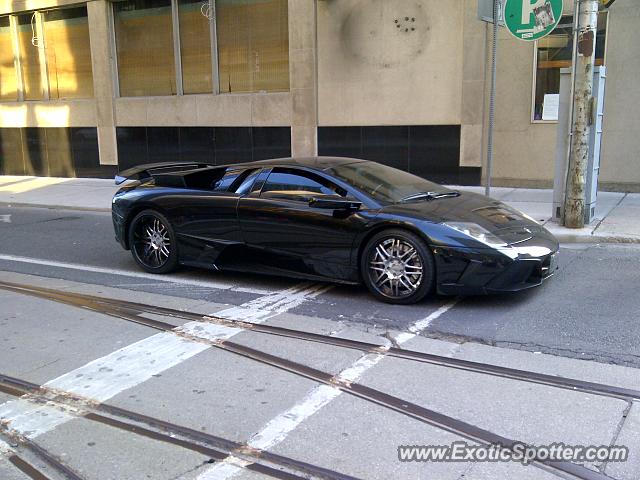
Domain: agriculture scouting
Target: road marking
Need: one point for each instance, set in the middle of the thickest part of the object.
(218, 285)
(270, 305)
(5, 218)
(277, 429)
(127, 367)
(422, 325)
(5, 448)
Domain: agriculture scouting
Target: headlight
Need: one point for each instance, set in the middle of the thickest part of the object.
(477, 232)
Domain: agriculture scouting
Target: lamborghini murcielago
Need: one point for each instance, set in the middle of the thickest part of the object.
(329, 219)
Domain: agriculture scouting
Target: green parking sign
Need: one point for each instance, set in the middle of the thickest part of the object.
(532, 19)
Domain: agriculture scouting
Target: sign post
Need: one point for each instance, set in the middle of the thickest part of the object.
(526, 20)
(492, 99)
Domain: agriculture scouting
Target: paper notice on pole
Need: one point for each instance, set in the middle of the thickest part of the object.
(550, 106)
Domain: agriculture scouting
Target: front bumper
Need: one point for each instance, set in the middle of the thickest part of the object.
(483, 271)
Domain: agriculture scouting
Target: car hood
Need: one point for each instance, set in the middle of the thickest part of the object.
(507, 223)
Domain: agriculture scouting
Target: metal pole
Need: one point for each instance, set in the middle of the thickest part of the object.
(582, 101)
(492, 97)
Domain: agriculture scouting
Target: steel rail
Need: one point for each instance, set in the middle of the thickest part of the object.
(214, 447)
(44, 456)
(131, 311)
(412, 410)
(26, 468)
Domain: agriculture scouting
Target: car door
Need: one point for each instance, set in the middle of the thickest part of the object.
(205, 219)
(276, 219)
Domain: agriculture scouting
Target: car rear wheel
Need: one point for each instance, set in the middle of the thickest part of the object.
(398, 267)
(153, 243)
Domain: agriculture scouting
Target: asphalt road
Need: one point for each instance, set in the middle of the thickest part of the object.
(338, 410)
(587, 311)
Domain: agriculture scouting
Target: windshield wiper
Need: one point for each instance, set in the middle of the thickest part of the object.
(430, 195)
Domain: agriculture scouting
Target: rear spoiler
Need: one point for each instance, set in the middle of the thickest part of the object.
(144, 171)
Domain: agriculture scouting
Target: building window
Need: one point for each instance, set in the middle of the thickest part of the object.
(28, 42)
(53, 57)
(253, 45)
(247, 48)
(8, 78)
(553, 52)
(195, 47)
(144, 44)
(68, 53)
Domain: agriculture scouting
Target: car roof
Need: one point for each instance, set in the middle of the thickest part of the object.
(319, 162)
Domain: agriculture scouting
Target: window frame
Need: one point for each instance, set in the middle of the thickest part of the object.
(40, 21)
(36, 19)
(42, 56)
(535, 66)
(177, 52)
(177, 49)
(113, 41)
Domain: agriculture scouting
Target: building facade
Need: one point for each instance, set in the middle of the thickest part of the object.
(89, 88)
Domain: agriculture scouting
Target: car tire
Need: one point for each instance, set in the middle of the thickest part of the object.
(397, 267)
(153, 242)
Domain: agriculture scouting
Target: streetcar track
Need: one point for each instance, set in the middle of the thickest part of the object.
(131, 311)
(43, 455)
(26, 468)
(214, 447)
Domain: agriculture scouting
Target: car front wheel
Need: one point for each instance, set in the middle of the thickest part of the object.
(153, 243)
(398, 267)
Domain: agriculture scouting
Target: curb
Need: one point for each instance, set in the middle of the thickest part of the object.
(55, 207)
(591, 239)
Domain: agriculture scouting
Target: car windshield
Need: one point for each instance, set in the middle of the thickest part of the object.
(386, 184)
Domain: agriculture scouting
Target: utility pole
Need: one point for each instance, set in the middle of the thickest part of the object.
(583, 105)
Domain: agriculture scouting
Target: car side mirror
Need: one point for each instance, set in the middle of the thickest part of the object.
(335, 204)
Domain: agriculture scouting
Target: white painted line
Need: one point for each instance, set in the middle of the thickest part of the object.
(422, 325)
(5, 218)
(218, 285)
(227, 469)
(31, 419)
(270, 305)
(127, 367)
(277, 429)
(364, 363)
(5, 449)
(105, 377)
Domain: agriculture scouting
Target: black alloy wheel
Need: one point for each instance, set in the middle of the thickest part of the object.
(398, 267)
(153, 243)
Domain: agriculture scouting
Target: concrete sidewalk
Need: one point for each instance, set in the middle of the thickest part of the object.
(617, 214)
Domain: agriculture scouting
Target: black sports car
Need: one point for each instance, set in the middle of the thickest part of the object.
(337, 219)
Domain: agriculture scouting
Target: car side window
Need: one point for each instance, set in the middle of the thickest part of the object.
(244, 182)
(298, 185)
(230, 177)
